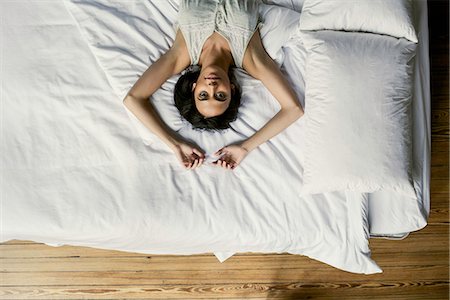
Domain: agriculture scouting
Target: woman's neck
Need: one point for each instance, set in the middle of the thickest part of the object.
(216, 56)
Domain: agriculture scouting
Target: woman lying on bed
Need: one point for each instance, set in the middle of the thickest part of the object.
(209, 97)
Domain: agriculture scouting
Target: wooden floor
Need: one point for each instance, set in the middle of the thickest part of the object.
(414, 268)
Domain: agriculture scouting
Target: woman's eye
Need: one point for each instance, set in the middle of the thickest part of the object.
(203, 94)
(220, 95)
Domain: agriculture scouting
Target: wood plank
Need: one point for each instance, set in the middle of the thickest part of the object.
(250, 290)
(440, 100)
(439, 165)
(18, 242)
(439, 195)
(155, 263)
(440, 132)
(440, 115)
(438, 77)
(439, 200)
(438, 204)
(439, 215)
(439, 146)
(280, 274)
(440, 186)
(439, 45)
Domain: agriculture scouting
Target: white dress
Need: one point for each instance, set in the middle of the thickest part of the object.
(235, 20)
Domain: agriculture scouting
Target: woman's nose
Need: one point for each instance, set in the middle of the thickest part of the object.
(212, 83)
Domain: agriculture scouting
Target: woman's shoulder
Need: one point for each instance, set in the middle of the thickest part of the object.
(180, 52)
(255, 52)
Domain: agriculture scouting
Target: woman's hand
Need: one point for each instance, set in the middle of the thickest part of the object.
(234, 154)
(189, 156)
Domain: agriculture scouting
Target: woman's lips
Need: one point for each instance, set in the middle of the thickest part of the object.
(212, 76)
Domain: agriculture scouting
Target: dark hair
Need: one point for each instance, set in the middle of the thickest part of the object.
(185, 102)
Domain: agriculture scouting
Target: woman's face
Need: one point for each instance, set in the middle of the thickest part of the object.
(212, 91)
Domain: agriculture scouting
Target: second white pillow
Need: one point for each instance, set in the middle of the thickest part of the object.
(390, 17)
(357, 109)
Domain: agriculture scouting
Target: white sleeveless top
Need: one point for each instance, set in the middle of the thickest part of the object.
(235, 20)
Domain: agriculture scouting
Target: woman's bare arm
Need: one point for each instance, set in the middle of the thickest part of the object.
(172, 62)
(261, 66)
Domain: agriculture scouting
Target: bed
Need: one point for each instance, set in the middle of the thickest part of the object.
(79, 169)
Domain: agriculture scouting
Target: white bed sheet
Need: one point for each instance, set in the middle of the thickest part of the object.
(75, 170)
(390, 214)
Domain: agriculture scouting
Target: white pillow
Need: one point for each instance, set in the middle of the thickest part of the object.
(390, 17)
(357, 112)
(278, 25)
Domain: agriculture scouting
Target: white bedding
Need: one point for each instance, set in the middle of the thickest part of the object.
(77, 170)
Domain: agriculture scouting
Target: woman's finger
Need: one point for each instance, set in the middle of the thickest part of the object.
(224, 164)
(190, 164)
(201, 161)
(218, 163)
(195, 163)
(198, 152)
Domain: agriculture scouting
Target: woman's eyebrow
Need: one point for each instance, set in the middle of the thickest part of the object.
(221, 100)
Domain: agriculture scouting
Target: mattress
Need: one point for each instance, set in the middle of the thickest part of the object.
(78, 169)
